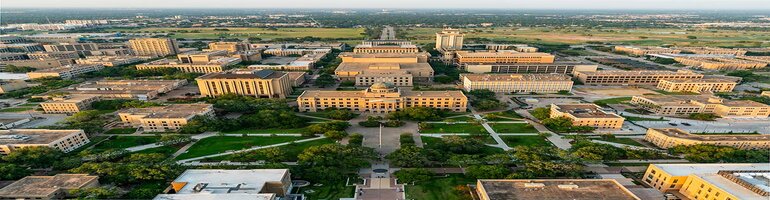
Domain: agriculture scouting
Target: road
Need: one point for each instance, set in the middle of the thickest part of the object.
(388, 33)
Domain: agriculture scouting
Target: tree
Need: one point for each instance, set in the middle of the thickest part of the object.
(485, 105)
(413, 175)
(336, 135)
(97, 193)
(35, 157)
(487, 171)
(147, 158)
(347, 83)
(541, 113)
(13, 171)
(409, 156)
(464, 160)
(706, 153)
(703, 116)
(482, 94)
(356, 139)
(340, 114)
(461, 145)
(316, 129)
(692, 37)
(329, 162)
(416, 114)
(324, 80)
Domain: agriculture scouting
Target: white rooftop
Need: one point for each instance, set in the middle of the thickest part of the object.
(702, 168)
(731, 187)
(214, 196)
(223, 181)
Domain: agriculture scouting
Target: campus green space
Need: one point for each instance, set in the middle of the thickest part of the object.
(17, 109)
(626, 141)
(291, 151)
(322, 114)
(455, 128)
(513, 128)
(122, 142)
(618, 100)
(434, 143)
(525, 140)
(262, 33)
(221, 144)
(167, 150)
(438, 188)
(120, 131)
(328, 191)
(266, 131)
(94, 140)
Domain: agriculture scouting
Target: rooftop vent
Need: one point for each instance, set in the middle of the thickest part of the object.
(534, 185)
(568, 186)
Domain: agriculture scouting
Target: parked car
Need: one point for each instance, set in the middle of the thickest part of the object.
(672, 124)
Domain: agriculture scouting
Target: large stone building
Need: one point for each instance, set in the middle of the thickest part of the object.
(258, 83)
(552, 189)
(45, 63)
(58, 186)
(54, 55)
(154, 46)
(712, 50)
(164, 118)
(231, 47)
(13, 56)
(26, 47)
(64, 140)
(7, 85)
(122, 89)
(349, 57)
(65, 72)
(77, 47)
(110, 61)
(465, 58)
(517, 83)
(715, 63)
(587, 115)
(217, 64)
(303, 63)
(670, 137)
(68, 104)
(708, 84)
(386, 48)
(644, 77)
(260, 184)
(644, 50)
(716, 181)
(399, 74)
(289, 52)
(449, 40)
(676, 105)
(381, 98)
(532, 68)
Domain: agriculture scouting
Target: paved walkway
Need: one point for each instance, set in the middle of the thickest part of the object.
(622, 145)
(556, 139)
(500, 143)
(249, 149)
(156, 145)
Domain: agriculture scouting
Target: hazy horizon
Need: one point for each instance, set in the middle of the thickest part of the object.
(406, 4)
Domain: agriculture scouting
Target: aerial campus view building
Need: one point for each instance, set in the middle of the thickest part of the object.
(372, 104)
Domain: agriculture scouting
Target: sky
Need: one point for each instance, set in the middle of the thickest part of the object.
(416, 4)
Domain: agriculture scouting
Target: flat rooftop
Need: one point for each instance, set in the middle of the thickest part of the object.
(229, 181)
(754, 179)
(517, 77)
(552, 189)
(585, 111)
(33, 136)
(64, 68)
(638, 72)
(45, 185)
(325, 93)
(71, 99)
(702, 99)
(384, 55)
(214, 197)
(501, 54)
(706, 80)
(364, 66)
(685, 169)
(244, 74)
(171, 111)
(679, 133)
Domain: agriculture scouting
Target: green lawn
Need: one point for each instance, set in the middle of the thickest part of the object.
(221, 144)
(165, 150)
(438, 188)
(30, 104)
(328, 191)
(618, 100)
(17, 109)
(455, 128)
(525, 140)
(626, 141)
(122, 142)
(121, 131)
(513, 128)
(267, 131)
(505, 116)
(464, 118)
(291, 150)
(632, 118)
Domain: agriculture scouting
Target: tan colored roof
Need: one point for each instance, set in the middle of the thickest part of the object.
(170, 111)
(585, 111)
(517, 77)
(679, 133)
(33, 186)
(467, 54)
(572, 189)
(33, 136)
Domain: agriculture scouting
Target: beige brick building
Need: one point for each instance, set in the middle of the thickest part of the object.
(673, 105)
(449, 39)
(517, 83)
(587, 115)
(399, 74)
(362, 48)
(164, 118)
(698, 85)
(39, 63)
(230, 47)
(381, 98)
(7, 85)
(109, 61)
(670, 137)
(65, 72)
(154, 46)
(709, 181)
(645, 77)
(200, 57)
(349, 57)
(121, 89)
(552, 189)
(69, 104)
(54, 55)
(712, 50)
(216, 65)
(64, 140)
(58, 186)
(644, 50)
(465, 58)
(256, 184)
(258, 83)
(720, 63)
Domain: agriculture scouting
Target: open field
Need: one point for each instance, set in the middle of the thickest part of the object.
(122, 142)
(578, 35)
(262, 33)
(525, 140)
(221, 144)
(455, 128)
(513, 128)
(438, 188)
